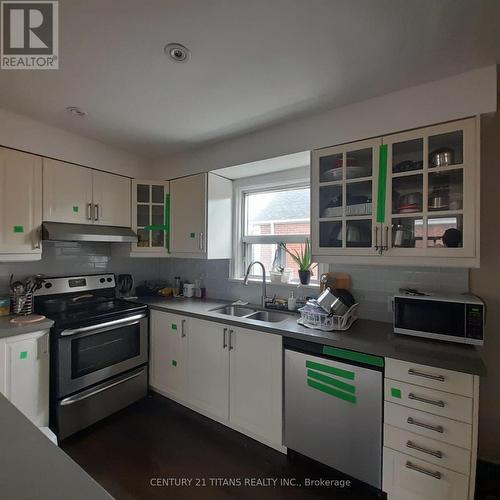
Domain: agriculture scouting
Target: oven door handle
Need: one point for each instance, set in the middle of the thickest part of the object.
(101, 327)
(74, 399)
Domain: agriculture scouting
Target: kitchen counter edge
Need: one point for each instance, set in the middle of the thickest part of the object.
(8, 329)
(367, 336)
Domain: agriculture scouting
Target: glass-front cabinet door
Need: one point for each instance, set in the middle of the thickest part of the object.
(431, 185)
(150, 217)
(344, 190)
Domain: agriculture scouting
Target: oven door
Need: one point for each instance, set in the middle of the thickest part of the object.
(88, 355)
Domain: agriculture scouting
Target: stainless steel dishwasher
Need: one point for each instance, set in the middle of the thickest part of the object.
(333, 408)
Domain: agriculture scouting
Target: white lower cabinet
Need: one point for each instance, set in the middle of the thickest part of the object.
(231, 374)
(256, 389)
(24, 374)
(408, 478)
(208, 368)
(430, 435)
(168, 354)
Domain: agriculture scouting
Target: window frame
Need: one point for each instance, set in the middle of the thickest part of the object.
(268, 183)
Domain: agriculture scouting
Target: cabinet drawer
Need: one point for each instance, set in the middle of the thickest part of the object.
(430, 400)
(408, 478)
(428, 376)
(430, 450)
(426, 424)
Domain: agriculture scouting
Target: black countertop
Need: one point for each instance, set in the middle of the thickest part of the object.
(31, 466)
(367, 336)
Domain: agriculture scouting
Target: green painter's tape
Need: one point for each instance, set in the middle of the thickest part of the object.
(23, 355)
(174, 363)
(331, 381)
(354, 356)
(331, 391)
(395, 393)
(76, 209)
(18, 229)
(167, 220)
(174, 326)
(382, 183)
(330, 369)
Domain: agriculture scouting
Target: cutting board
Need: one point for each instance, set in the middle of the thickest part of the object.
(28, 319)
(336, 280)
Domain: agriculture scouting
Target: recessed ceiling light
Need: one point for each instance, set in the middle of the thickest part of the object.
(74, 110)
(177, 52)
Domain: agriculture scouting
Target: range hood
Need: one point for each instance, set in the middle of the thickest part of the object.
(60, 231)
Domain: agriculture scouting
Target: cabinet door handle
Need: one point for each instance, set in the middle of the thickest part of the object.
(37, 244)
(200, 240)
(224, 339)
(434, 474)
(89, 211)
(96, 211)
(413, 446)
(183, 328)
(416, 373)
(386, 246)
(231, 347)
(377, 247)
(435, 428)
(439, 403)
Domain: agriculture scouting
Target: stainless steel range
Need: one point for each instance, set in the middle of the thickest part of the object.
(99, 350)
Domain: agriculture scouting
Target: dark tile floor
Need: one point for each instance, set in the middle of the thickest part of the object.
(156, 439)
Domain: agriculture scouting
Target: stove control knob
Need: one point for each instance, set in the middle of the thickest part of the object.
(110, 280)
(48, 285)
(102, 280)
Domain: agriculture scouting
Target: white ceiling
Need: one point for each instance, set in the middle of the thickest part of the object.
(254, 63)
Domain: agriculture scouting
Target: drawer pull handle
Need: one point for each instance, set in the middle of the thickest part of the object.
(435, 428)
(415, 373)
(439, 403)
(434, 474)
(413, 446)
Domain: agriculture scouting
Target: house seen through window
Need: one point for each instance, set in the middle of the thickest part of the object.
(273, 216)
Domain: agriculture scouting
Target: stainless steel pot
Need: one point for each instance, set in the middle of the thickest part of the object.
(442, 157)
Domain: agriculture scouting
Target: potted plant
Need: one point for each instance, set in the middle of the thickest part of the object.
(303, 258)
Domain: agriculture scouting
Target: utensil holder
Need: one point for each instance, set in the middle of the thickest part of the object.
(21, 303)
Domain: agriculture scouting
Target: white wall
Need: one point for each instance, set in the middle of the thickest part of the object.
(26, 134)
(456, 97)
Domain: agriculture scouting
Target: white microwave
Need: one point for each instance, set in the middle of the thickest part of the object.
(454, 318)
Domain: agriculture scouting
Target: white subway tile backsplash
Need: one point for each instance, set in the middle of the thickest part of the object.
(373, 286)
(73, 258)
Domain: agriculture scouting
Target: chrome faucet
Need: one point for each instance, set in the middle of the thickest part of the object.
(245, 281)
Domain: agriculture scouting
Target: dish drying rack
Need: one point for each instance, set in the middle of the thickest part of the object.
(318, 319)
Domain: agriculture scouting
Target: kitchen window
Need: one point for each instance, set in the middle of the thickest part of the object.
(269, 215)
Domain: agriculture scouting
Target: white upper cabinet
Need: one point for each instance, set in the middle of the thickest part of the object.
(345, 180)
(20, 205)
(67, 192)
(150, 217)
(201, 216)
(84, 196)
(189, 212)
(111, 197)
(404, 199)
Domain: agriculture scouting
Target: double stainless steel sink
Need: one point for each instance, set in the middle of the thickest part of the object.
(251, 313)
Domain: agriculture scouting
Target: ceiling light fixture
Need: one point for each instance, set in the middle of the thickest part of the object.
(75, 110)
(177, 52)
